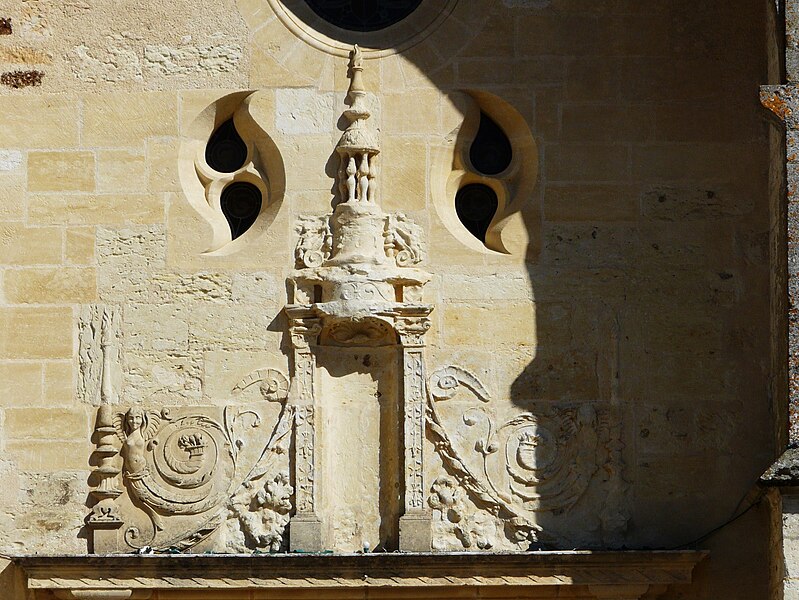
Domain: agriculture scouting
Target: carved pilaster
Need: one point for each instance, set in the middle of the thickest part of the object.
(305, 530)
(416, 523)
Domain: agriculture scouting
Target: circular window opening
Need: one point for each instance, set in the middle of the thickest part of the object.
(363, 15)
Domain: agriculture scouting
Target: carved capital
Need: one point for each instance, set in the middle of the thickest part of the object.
(411, 330)
(305, 332)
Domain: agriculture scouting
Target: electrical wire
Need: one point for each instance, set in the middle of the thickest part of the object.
(701, 538)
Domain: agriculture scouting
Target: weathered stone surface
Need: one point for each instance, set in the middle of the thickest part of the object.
(61, 171)
(785, 471)
(598, 372)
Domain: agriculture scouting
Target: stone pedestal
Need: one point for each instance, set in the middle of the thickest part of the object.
(305, 534)
(415, 532)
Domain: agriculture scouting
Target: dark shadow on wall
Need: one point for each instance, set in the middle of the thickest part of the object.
(649, 259)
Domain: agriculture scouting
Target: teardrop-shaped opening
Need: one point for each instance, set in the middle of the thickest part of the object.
(241, 204)
(491, 151)
(476, 204)
(226, 152)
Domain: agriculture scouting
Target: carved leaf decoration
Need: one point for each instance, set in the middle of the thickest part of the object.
(153, 424)
(118, 421)
(444, 383)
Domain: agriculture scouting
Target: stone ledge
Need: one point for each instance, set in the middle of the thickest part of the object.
(784, 471)
(152, 572)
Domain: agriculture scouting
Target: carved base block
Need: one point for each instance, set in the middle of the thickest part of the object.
(416, 533)
(305, 534)
(105, 539)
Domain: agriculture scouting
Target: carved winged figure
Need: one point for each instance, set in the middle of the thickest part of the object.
(135, 428)
(174, 466)
(403, 240)
(315, 241)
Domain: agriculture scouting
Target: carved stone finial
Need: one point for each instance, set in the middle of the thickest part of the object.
(358, 145)
(356, 67)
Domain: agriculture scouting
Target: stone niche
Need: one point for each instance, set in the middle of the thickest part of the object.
(326, 457)
(355, 446)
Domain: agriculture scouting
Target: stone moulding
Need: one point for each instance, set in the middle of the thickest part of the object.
(301, 21)
(630, 574)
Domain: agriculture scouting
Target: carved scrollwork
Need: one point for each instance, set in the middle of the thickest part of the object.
(444, 383)
(273, 384)
(546, 460)
(403, 240)
(362, 291)
(179, 467)
(180, 463)
(542, 460)
(315, 241)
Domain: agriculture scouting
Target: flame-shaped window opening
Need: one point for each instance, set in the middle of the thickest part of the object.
(363, 15)
(491, 152)
(241, 203)
(476, 204)
(226, 152)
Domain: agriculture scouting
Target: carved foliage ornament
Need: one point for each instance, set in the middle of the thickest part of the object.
(192, 470)
(530, 463)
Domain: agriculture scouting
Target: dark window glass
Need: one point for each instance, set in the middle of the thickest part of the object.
(241, 203)
(491, 151)
(476, 204)
(363, 15)
(226, 151)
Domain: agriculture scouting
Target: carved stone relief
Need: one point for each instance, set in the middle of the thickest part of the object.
(187, 471)
(517, 471)
(242, 477)
(357, 283)
(98, 353)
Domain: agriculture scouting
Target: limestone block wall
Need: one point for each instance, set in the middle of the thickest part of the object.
(627, 281)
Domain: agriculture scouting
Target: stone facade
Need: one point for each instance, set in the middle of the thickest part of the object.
(351, 367)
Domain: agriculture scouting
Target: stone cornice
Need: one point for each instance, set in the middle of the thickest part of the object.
(152, 572)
